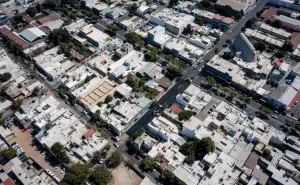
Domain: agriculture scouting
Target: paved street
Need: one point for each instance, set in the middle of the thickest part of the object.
(170, 96)
(165, 101)
(235, 30)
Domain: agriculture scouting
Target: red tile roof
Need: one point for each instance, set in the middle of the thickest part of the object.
(10, 35)
(223, 19)
(8, 181)
(24, 28)
(45, 29)
(36, 24)
(176, 109)
(48, 18)
(89, 133)
(267, 14)
(28, 18)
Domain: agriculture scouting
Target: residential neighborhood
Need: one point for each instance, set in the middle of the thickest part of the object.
(162, 92)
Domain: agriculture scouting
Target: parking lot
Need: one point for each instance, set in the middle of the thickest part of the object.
(23, 139)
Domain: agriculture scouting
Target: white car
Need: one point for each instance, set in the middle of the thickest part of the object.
(273, 116)
(116, 145)
(100, 161)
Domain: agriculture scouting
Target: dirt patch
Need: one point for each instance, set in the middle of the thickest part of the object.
(124, 175)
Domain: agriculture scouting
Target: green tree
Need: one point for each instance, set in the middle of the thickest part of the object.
(297, 126)
(108, 99)
(172, 3)
(36, 91)
(190, 159)
(49, 125)
(188, 148)
(198, 20)
(97, 156)
(31, 11)
(2, 121)
(287, 46)
(204, 146)
(60, 36)
(168, 57)
(5, 77)
(100, 176)
(168, 178)
(134, 39)
(148, 164)
(277, 24)
(8, 153)
(115, 159)
(173, 72)
(266, 153)
(114, 28)
(210, 80)
(260, 46)
(185, 115)
(265, 109)
(76, 174)
(60, 153)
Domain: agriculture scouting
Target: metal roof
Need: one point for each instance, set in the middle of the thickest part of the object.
(31, 34)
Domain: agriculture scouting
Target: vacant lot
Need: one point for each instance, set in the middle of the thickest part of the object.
(125, 176)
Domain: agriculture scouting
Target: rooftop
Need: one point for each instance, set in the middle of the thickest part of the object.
(31, 34)
(237, 5)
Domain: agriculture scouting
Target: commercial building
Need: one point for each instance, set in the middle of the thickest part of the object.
(123, 116)
(32, 34)
(28, 172)
(193, 98)
(150, 70)
(77, 77)
(143, 9)
(264, 37)
(174, 22)
(215, 20)
(238, 5)
(22, 87)
(291, 4)
(96, 90)
(39, 112)
(76, 26)
(8, 66)
(129, 24)
(101, 63)
(51, 21)
(124, 50)
(94, 36)
(280, 33)
(52, 64)
(65, 130)
(203, 42)
(244, 48)
(157, 36)
(115, 13)
(126, 63)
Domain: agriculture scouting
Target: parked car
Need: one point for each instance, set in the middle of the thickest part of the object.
(116, 145)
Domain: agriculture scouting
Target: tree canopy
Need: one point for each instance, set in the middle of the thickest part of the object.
(59, 35)
(100, 176)
(9, 153)
(5, 77)
(60, 153)
(108, 99)
(134, 39)
(76, 174)
(115, 159)
(31, 11)
(169, 178)
(185, 115)
(199, 148)
(148, 164)
(173, 72)
(260, 46)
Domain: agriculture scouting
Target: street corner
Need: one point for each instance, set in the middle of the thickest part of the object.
(123, 138)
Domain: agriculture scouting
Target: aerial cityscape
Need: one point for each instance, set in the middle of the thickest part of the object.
(149, 92)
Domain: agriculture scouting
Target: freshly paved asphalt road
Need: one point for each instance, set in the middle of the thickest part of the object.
(180, 86)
